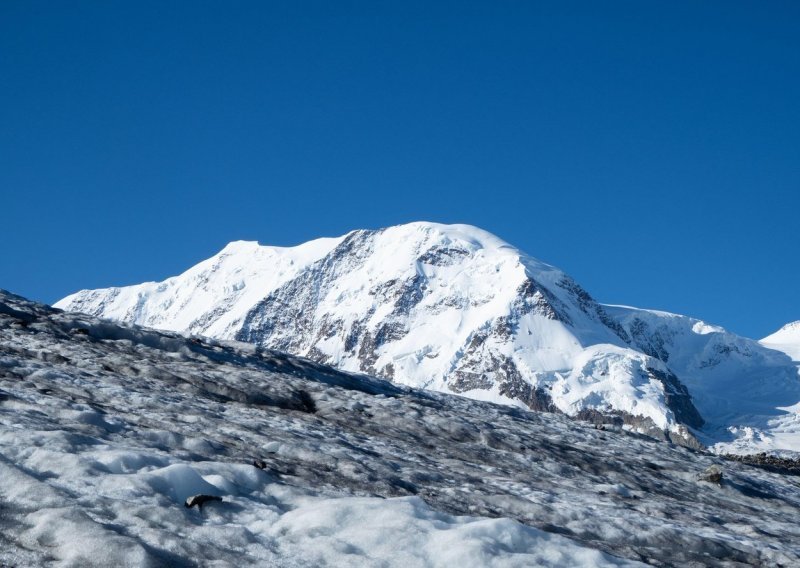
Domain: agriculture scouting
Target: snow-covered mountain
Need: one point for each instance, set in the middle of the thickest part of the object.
(453, 308)
(107, 430)
(786, 339)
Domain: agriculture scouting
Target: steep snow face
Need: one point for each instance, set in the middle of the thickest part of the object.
(746, 392)
(446, 307)
(106, 429)
(786, 339)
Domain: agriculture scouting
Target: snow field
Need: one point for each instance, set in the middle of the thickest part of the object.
(89, 505)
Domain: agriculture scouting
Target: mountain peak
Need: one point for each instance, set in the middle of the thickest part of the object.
(791, 326)
(454, 308)
(786, 340)
(238, 246)
(789, 333)
(467, 233)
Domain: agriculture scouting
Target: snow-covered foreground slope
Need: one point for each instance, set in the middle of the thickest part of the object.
(453, 308)
(105, 430)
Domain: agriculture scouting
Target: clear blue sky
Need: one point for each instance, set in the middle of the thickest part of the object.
(650, 149)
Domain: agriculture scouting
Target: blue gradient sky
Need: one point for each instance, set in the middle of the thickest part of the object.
(650, 149)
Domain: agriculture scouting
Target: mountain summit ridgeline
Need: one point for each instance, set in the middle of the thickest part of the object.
(455, 309)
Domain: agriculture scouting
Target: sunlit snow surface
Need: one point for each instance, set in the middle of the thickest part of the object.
(787, 340)
(453, 308)
(105, 430)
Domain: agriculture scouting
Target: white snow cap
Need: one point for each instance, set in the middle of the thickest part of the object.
(454, 308)
(786, 339)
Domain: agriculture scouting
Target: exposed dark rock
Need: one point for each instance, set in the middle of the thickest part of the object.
(536, 398)
(788, 466)
(408, 294)
(305, 402)
(678, 399)
(443, 255)
(533, 298)
(481, 367)
(463, 381)
(389, 331)
(356, 332)
(18, 315)
(285, 318)
(616, 420)
(367, 353)
(651, 342)
(712, 474)
(200, 500)
(721, 351)
(591, 308)
(601, 420)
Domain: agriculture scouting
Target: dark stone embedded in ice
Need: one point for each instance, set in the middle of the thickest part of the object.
(200, 500)
(712, 474)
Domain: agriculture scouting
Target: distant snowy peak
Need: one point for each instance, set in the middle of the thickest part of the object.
(786, 339)
(787, 334)
(456, 309)
(208, 297)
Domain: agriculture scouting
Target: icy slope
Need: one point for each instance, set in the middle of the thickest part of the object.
(786, 339)
(106, 429)
(747, 392)
(450, 308)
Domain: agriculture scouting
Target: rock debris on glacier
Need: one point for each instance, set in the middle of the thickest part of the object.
(106, 430)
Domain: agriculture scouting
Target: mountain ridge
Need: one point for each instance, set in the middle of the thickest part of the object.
(456, 309)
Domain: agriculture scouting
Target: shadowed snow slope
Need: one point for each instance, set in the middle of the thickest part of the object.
(453, 308)
(106, 429)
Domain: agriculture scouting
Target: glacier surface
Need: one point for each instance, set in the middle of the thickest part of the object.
(106, 429)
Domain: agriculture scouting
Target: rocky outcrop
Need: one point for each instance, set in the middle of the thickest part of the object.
(678, 399)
